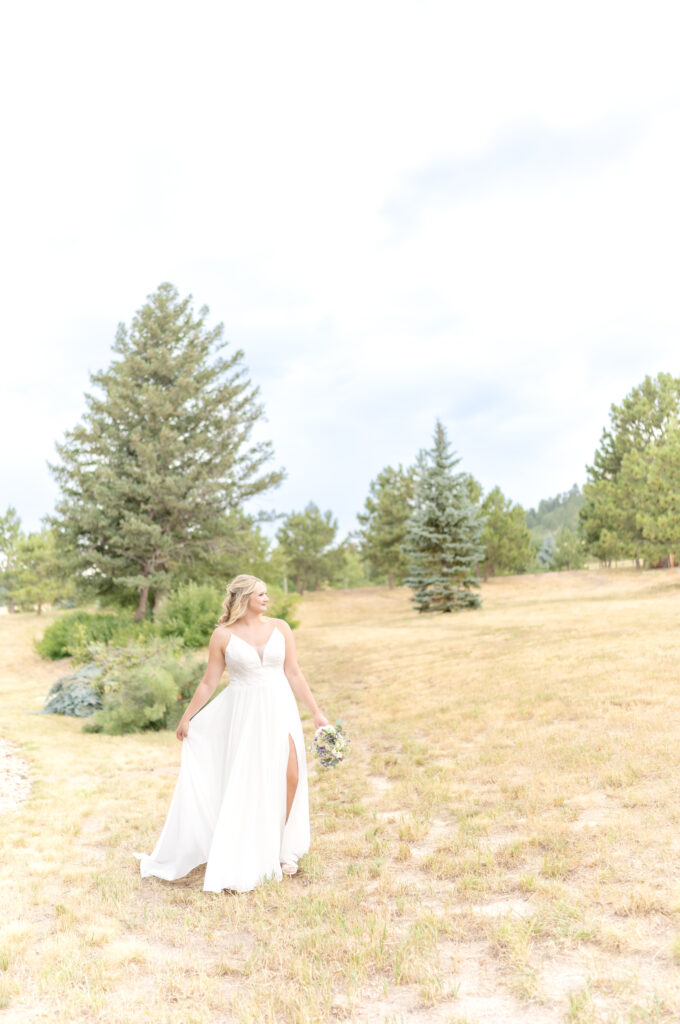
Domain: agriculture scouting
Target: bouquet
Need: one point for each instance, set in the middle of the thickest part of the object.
(330, 744)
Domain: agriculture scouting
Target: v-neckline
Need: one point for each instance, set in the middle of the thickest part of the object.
(254, 647)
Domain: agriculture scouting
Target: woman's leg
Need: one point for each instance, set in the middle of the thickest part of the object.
(291, 775)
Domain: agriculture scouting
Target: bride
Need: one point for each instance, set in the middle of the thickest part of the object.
(241, 804)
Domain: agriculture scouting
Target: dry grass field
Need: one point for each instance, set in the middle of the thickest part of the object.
(502, 846)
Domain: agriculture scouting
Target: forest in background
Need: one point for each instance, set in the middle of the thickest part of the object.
(157, 477)
(554, 514)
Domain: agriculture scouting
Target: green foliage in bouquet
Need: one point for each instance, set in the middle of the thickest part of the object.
(330, 744)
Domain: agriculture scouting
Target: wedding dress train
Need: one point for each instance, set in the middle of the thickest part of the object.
(228, 810)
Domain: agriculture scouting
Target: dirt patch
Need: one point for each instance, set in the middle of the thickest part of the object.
(15, 777)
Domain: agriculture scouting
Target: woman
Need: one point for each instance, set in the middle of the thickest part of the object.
(241, 805)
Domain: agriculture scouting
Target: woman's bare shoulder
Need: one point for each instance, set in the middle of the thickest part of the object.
(283, 626)
(220, 637)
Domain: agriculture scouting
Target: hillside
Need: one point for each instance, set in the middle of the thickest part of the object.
(552, 514)
(500, 846)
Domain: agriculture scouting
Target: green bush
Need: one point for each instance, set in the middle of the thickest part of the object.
(72, 634)
(142, 701)
(283, 606)
(75, 694)
(570, 551)
(191, 613)
(143, 686)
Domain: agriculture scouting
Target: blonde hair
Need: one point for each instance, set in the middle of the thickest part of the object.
(238, 595)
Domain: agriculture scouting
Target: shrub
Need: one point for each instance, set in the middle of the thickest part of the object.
(75, 694)
(191, 613)
(141, 701)
(570, 551)
(73, 634)
(142, 686)
(283, 606)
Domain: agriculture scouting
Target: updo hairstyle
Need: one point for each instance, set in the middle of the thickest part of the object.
(238, 595)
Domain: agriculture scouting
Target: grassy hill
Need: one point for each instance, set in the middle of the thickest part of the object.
(502, 845)
(553, 514)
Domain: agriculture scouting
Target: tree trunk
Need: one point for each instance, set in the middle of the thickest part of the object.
(390, 580)
(486, 571)
(157, 601)
(39, 608)
(142, 603)
(10, 606)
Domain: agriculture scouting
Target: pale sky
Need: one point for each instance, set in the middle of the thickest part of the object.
(399, 210)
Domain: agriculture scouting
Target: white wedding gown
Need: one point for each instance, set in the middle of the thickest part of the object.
(228, 810)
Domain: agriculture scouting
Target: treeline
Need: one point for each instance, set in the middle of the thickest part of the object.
(554, 528)
(155, 479)
(555, 514)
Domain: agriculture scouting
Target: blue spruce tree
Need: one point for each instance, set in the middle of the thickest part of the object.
(444, 537)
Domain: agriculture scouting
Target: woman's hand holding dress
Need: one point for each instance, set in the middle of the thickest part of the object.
(208, 684)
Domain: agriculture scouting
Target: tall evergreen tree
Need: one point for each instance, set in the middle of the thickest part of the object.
(348, 570)
(444, 536)
(10, 537)
(306, 542)
(39, 570)
(384, 523)
(506, 538)
(616, 495)
(162, 452)
(570, 551)
(239, 545)
(655, 475)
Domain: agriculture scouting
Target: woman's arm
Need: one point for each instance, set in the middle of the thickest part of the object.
(296, 679)
(208, 684)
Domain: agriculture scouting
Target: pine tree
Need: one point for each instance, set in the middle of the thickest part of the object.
(506, 538)
(306, 543)
(39, 572)
(161, 455)
(384, 523)
(655, 473)
(10, 538)
(444, 536)
(616, 495)
(570, 552)
(546, 552)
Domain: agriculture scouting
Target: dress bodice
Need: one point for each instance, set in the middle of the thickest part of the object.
(248, 665)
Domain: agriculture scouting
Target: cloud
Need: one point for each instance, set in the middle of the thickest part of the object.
(397, 211)
(525, 156)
